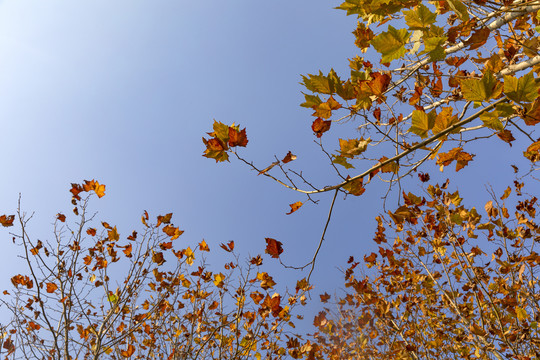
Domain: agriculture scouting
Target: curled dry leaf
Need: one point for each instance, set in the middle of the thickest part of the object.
(295, 207)
(289, 157)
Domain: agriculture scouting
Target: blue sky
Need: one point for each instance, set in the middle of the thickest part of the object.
(123, 91)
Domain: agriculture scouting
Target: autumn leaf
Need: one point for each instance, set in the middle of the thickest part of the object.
(127, 250)
(457, 154)
(320, 126)
(172, 231)
(273, 247)
(478, 38)
(391, 44)
(218, 280)
(158, 258)
(421, 123)
(51, 287)
(113, 234)
(288, 158)
(481, 89)
(203, 246)
(325, 297)
(190, 256)
(352, 147)
(229, 247)
(532, 153)
(237, 137)
(215, 149)
(355, 187)
(7, 220)
(524, 89)
(129, 351)
(164, 219)
(506, 136)
(61, 217)
(98, 188)
(419, 18)
(267, 282)
(91, 231)
(294, 207)
(363, 35)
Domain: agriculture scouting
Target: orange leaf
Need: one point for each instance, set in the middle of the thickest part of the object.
(461, 157)
(506, 136)
(61, 217)
(94, 185)
(91, 231)
(203, 246)
(273, 247)
(128, 250)
(129, 351)
(7, 220)
(172, 231)
(294, 207)
(324, 297)
(51, 287)
(164, 219)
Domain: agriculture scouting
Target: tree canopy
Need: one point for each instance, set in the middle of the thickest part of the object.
(449, 280)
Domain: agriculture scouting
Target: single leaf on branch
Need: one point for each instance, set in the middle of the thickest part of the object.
(320, 126)
(273, 247)
(288, 158)
(295, 207)
(355, 187)
(7, 220)
(391, 44)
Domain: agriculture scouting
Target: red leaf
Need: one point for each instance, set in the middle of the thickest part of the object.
(229, 247)
(273, 247)
(320, 126)
(237, 138)
(289, 157)
(61, 217)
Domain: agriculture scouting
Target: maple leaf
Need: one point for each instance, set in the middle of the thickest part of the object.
(267, 282)
(164, 219)
(481, 89)
(203, 246)
(237, 137)
(320, 126)
(419, 18)
(172, 231)
(524, 89)
(273, 247)
(324, 297)
(363, 35)
(98, 188)
(215, 149)
(532, 116)
(391, 44)
(113, 234)
(127, 250)
(294, 207)
(421, 122)
(457, 154)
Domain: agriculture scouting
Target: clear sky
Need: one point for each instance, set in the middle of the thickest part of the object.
(122, 91)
